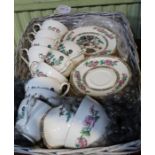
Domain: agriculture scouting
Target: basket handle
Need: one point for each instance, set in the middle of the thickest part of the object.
(22, 57)
(36, 27)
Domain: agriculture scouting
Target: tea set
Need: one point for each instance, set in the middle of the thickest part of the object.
(62, 61)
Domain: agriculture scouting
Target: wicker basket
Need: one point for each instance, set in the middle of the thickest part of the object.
(22, 73)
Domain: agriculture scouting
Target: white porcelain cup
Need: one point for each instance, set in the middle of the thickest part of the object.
(42, 69)
(48, 83)
(52, 25)
(46, 42)
(55, 126)
(44, 34)
(35, 53)
(59, 61)
(45, 95)
(30, 114)
(72, 50)
(88, 125)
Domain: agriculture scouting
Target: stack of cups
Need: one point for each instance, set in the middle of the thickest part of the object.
(48, 68)
(50, 62)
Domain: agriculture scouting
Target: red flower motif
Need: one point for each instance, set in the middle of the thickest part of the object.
(82, 142)
(108, 62)
(89, 120)
(95, 63)
(121, 82)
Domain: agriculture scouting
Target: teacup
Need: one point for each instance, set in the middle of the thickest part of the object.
(49, 43)
(48, 83)
(88, 125)
(55, 126)
(35, 53)
(30, 114)
(45, 95)
(42, 69)
(52, 25)
(72, 50)
(59, 61)
(44, 34)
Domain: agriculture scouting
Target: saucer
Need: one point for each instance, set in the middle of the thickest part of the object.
(100, 76)
(95, 40)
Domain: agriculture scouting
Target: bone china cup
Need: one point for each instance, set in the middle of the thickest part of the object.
(39, 69)
(55, 126)
(30, 114)
(44, 34)
(72, 50)
(35, 53)
(49, 84)
(50, 43)
(46, 95)
(52, 25)
(88, 125)
(59, 61)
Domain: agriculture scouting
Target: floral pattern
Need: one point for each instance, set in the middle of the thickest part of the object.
(38, 73)
(52, 60)
(22, 114)
(121, 81)
(88, 124)
(54, 29)
(49, 46)
(64, 112)
(62, 49)
(100, 62)
(101, 29)
(91, 43)
(79, 81)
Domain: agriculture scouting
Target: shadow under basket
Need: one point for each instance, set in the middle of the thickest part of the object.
(129, 54)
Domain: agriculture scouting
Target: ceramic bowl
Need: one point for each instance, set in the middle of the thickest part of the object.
(88, 125)
(49, 84)
(30, 114)
(52, 25)
(72, 50)
(55, 126)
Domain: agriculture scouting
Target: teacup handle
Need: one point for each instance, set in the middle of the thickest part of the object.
(67, 88)
(36, 27)
(23, 58)
(29, 40)
(31, 35)
(34, 63)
